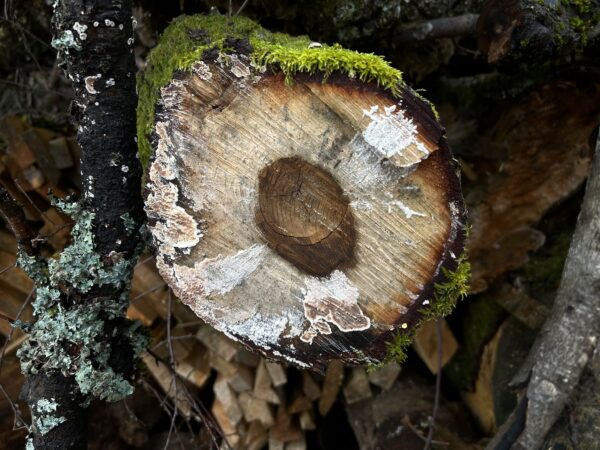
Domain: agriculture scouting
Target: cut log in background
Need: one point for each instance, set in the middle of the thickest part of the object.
(309, 215)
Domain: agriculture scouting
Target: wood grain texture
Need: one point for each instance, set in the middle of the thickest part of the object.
(393, 198)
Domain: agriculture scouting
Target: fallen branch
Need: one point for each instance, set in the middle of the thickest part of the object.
(443, 27)
(570, 336)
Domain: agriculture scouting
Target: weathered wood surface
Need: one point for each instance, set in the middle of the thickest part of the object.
(308, 220)
(570, 336)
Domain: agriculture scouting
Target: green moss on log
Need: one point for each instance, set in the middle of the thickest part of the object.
(187, 38)
(446, 294)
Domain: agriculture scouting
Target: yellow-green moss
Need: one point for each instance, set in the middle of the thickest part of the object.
(178, 50)
(446, 294)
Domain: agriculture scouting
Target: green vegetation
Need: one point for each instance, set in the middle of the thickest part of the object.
(446, 294)
(187, 39)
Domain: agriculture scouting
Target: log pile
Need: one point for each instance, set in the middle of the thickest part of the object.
(524, 146)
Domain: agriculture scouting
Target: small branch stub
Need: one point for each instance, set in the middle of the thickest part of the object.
(302, 199)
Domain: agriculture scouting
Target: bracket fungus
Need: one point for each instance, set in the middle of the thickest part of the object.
(301, 199)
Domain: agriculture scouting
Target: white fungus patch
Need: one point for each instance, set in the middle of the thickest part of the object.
(110, 82)
(80, 28)
(392, 133)
(174, 227)
(109, 23)
(238, 68)
(222, 274)
(130, 41)
(201, 69)
(124, 169)
(334, 300)
(89, 83)
(408, 212)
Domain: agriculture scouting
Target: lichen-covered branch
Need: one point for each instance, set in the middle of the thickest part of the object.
(81, 347)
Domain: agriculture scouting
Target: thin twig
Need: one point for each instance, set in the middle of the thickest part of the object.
(7, 318)
(18, 417)
(442, 27)
(174, 338)
(241, 7)
(12, 330)
(31, 202)
(15, 218)
(147, 292)
(144, 261)
(171, 360)
(406, 421)
(7, 268)
(438, 385)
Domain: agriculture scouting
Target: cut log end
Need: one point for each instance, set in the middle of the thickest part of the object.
(311, 220)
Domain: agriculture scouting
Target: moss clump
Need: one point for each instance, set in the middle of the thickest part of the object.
(188, 37)
(446, 294)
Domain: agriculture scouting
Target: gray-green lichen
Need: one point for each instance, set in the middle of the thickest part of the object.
(128, 222)
(44, 418)
(75, 339)
(65, 42)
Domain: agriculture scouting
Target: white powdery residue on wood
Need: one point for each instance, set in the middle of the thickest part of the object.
(362, 164)
(174, 228)
(173, 94)
(224, 273)
(238, 67)
(333, 299)
(408, 212)
(201, 69)
(263, 329)
(89, 83)
(292, 360)
(361, 205)
(391, 133)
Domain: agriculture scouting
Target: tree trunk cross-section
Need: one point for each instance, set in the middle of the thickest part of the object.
(308, 220)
